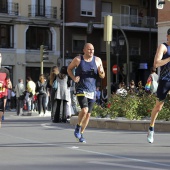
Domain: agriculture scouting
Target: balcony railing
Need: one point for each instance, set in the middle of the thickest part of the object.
(42, 11)
(131, 20)
(10, 8)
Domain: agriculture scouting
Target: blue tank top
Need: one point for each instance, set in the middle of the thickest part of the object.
(88, 74)
(165, 69)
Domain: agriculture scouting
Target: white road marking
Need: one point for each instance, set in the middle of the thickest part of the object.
(122, 157)
(124, 166)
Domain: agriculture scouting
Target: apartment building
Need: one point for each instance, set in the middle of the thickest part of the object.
(163, 22)
(137, 19)
(24, 26)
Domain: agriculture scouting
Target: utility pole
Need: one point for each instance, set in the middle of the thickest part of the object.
(108, 22)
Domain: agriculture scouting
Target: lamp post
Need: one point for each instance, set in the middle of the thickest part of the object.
(117, 44)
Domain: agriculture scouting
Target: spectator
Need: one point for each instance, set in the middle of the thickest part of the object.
(62, 95)
(31, 90)
(98, 96)
(104, 95)
(13, 99)
(140, 88)
(41, 92)
(73, 98)
(132, 87)
(8, 103)
(122, 90)
(152, 82)
(20, 89)
(52, 82)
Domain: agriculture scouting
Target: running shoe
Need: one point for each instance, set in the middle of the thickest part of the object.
(150, 136)
(3, 118)
(77, 131)
(82, 140)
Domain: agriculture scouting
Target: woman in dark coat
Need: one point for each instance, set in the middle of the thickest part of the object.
(41, 91)
(53, 78)
(62, 95)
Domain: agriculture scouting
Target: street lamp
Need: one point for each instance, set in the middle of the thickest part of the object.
(117, 44)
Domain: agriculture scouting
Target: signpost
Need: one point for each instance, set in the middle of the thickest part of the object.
(108, 22)
(115, 69)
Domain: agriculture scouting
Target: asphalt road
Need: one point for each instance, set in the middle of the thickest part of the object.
(34, 143)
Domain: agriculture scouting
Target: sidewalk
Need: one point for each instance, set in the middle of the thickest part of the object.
(131, 125)
(26, 113)
(48, 114)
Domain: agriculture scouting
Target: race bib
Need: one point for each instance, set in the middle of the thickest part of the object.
(2, 89)
(89, 95)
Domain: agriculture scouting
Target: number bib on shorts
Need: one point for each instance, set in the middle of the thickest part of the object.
(2, 89)
(89, 95)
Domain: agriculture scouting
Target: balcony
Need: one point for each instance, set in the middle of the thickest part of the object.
(132, 21)
(10, 8)
(42, 11)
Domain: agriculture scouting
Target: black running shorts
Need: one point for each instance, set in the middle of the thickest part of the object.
(1, 104)
(85, 102)
(163, 89)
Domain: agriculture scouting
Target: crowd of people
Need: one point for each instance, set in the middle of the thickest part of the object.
(38, 96)
(122, 89)
(50, 93)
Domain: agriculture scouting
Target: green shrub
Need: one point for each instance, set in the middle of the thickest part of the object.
(133, 107)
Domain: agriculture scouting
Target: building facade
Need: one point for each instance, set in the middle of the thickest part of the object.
(24, 26)
(137, 18)
(163, 22)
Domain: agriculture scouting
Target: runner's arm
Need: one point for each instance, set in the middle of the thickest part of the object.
(158, 61)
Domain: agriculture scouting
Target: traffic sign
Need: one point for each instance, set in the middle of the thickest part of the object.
(115, 69)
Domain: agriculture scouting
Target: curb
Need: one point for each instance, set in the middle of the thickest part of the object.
(135, 125)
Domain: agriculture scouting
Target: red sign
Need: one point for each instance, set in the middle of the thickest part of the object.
(115, 69)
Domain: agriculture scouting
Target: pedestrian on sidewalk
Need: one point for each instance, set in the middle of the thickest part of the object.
(41, 92)
(52, 86)
(13, 99)
(20, 96)
(31, 90)
(88, 69)
(62, 95)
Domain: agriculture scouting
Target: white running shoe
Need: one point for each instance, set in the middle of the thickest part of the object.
(41, 114)
(150, 136)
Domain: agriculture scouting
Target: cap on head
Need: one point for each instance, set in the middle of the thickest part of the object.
(168, 32)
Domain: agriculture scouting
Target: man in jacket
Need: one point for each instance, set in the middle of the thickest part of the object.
(20, 90)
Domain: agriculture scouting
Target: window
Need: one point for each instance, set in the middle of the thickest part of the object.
(37, 36)
(3, 6)
(102, 45)
(135, 46)
(78, 43)
(40, 8)
(107, 7)
(129, 15)
(88, 8)
(133, 15)
(6, 36)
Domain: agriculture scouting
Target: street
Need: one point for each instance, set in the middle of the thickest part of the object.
(34, 143)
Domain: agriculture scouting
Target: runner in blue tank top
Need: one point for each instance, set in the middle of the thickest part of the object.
(162, 59)
(88, 69)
